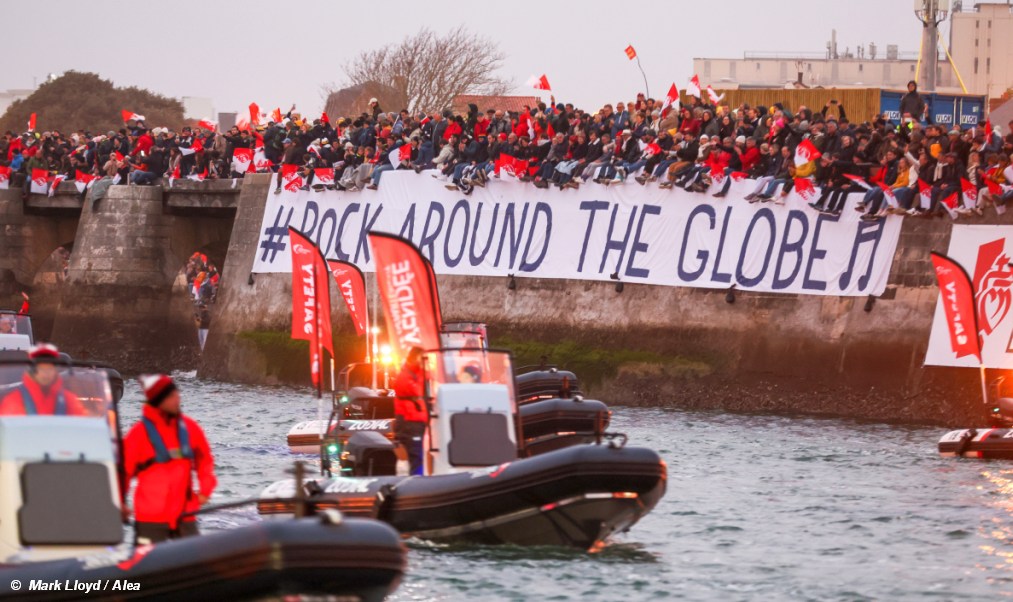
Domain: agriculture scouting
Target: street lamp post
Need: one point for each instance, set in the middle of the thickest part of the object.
(931, 13)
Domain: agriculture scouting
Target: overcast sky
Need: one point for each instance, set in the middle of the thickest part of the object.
(279, 52)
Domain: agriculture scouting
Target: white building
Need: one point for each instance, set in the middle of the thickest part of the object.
(195, 107)
(981, 42)
(8, 97)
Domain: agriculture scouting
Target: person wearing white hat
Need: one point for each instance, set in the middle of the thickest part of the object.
(162, 451)
(41, 390)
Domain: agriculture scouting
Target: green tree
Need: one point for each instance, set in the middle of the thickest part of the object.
(78, 100)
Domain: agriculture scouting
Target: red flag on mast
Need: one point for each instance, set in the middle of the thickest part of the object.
(406, 292)
(311, 301)
(352, 286)
(31, 123)
(957, 296)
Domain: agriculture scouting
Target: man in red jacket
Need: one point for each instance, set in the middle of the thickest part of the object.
(41, 390)
(161, 451)
(410, 412)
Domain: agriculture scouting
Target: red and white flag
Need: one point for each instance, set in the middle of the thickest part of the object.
(956, 294)
(713, 96)
(805, 189)
(40, 181)
(511, 165)
(207, 124)
(276, 115)
(693, 89)
(199, 177)
(56, 183)
(409, 299)
(83, 181)
(891, 198)
(672, 100)
(290, 177)
(539, 83)
(260, 161)
(806, 152)
(174, 175)
(924, 194)
(399, 155)
(131, 116)
(196, 147)
(630, 52)
(858, 180)
(254, 114)
(352, 286)
(5, 177)
(311, 302)
(242, 160)
(323, 175)
(970, 193)
(951, 203)
(31, 122)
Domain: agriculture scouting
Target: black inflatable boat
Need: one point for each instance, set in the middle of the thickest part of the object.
(351, 559)
(984, 443)
(575, 497)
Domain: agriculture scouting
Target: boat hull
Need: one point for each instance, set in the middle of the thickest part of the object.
(353, 558)
(982, 443)
(575, 497)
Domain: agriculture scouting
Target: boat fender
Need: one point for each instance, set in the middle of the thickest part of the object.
(331, 516)
(615, 440)
(965, 441)
(383, 501)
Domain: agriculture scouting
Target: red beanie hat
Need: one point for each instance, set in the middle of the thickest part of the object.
(43, 351)
(157, 387)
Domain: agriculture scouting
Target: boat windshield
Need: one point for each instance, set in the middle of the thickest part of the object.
(462, 339)
(15, 331)
(54, 389)
(468, 365)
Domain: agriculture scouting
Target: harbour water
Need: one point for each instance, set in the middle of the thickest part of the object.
(758, 507)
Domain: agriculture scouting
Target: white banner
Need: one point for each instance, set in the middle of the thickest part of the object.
(984, 252)
(639, 233)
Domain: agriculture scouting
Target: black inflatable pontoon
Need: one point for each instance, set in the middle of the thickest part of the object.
(575, 497)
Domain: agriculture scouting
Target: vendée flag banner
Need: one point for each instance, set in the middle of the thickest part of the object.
(643, 234)
(352, 286)
(406, 292)
(956, 296)
(985, 253)
(311, 301)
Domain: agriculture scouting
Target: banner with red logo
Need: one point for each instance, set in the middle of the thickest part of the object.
(311, 301)
(983, 253)
(352, 286)
(406, 292)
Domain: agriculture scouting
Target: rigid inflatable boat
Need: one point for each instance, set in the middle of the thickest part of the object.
(477, 484)
(61, 525)
(984, 443)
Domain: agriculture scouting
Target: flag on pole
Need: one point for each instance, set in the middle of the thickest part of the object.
(693, 89)
(207, 124)
(31, 123)
(352, 285)
(5, 177)
(630, 52)
(196, 147)
(713, 96)
(806, 152)
(970, 192)
(242, 160)
(956, 294)
(311, 301)
(407, 293)
(399, 155)
(131, 116)
(276, 115)
(951, 203)
(56, 183)
(924, 194)
(891, 198)
(254, 114)
(539, 83)
(672, 100)
(858, 180)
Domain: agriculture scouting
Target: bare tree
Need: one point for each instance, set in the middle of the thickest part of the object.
(426, 71)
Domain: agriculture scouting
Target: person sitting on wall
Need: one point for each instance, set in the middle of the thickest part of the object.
(41, 390)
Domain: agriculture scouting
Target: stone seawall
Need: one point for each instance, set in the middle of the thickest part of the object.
(651, 345)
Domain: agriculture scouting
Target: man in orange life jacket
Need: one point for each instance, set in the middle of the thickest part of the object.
(41, 390)
(161, 451)
(410, 412)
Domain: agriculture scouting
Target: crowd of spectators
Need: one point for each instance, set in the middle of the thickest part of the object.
(697, 146)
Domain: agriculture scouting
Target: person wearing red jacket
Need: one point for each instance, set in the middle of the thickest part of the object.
(410, 412)
(162, 451)
(41, 390)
